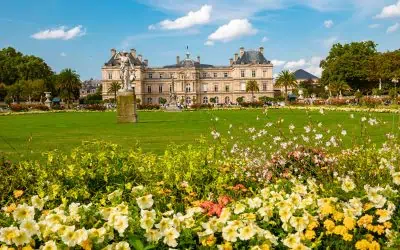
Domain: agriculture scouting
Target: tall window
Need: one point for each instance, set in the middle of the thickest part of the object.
(226, 88)
(264, 86)
(205, 100)
(215, 88)
(150, 75)
(253, 73)
(160, 75)
(204, 75)
(264, 73)
(148, 89)
(188, 100)
(242, 86)
(187, 89)
(225, 74)
(149, 100)
(170, 88)
(227, 100)
(160, 88)
(215, 74)
(109, 76)
(242, 73)
(204, 87)
(216, 100)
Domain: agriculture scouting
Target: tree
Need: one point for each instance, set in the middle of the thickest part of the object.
(33, 89)
(240, 99)
(252, 86)
(3, 91)
(68, 83)
(15, 91)
(162, 100)
(350, 63)
(113, 89)
(213, 100)
(339, 87)
(286, 80)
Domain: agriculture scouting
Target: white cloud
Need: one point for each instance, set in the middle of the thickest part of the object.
(234, 29)
(328, 24)
(60, 33)
(278, 63)
(264, 39)
(63, 54)
(209, 43)
(330, 41)
(393, 28)
(311, 65)
(193, 18)
(390, 11)
(374, 26)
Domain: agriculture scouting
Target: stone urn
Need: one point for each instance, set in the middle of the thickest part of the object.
(48, 101)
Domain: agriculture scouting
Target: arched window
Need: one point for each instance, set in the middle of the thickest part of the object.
(216, 100)
(187, 89)
(227, 100)
(188, 100)
(149, 100)
(205, 100)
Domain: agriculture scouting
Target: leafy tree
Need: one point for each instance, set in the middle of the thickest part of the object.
(339, 87)
(252, 86)
(113, 89)
(33, 89)
(162, 100)
(3, 91)
(350, 63)
(286, 80)
(240, 99)
(15, 91)
(213, 100)
(68, 83)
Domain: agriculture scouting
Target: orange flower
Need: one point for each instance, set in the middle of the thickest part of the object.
(10, 208)
(18, 193)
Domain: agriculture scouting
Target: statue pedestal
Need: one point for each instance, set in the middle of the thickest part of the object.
(125, 108)
(173, 108)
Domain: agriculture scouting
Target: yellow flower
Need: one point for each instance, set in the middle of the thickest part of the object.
(365, 221)
(312, 225)
(50, 245)
(329, 225)
(209, 241)
(10, 208)
(374, 246)
(387, 224)
(226, 246)
(384, 215)
(309, 234)
(123, 245)
(369, 237)
(340, 230)
(327, 209)
(362, 245)
(18, 193)
(337, 216)
(368, 206)
(27, 248)
(349, 223)
(347, 237)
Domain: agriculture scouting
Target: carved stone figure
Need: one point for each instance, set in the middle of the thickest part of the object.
(125, 68)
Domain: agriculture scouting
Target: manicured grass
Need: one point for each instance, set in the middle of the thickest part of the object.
(27, 136)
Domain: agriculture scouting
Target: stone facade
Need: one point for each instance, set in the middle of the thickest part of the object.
(195, 82)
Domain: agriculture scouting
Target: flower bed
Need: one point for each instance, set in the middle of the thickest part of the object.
(298, 191)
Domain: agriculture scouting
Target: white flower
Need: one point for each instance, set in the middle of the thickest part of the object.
(215, 134)
(30, 226)
(170, 236)
(344, 132)
(255, 202)
(153, 235)
(7, 234)
(292, 240)
(80, 236)
(291, 127)
(148, 214)
(145, 202)
(307, 129)
(24, 212)
(120, 223)
(22, 238)
(164, 224)
(97, 233)
(137, 189)
(229, 233)
(37, 202)
(123, 245)
(348, 184)
(50, 245)
(318, 136)
(396, 178)
(239, 208)
(247, 232)
(351, 116)
(146, 223)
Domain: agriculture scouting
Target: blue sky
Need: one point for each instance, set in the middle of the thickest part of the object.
(295, 33)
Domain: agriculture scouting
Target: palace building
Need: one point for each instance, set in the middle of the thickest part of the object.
(194, 82)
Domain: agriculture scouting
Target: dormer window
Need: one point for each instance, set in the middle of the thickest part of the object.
(225, 74)
(242, 73)
(109, 76)
(150, 75)
(253, 73)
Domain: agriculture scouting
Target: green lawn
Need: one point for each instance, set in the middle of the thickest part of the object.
(27, 136)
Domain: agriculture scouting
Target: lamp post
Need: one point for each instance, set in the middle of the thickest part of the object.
(133, 84)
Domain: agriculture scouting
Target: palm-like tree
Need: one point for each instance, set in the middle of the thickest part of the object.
(68, 83)
(338, 87)
(252, 86)
(286, 80)
(113, 89)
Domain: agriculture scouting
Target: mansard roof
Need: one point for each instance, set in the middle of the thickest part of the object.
(302, 74)
(114, 60)
(249, 57)
(188, 63)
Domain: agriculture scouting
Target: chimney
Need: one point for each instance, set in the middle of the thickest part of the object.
(146, 62)
(198, 59)
(241, 51)
(133, 53)
(262, 50)
(113, 52)
(236, 57)
(177, 60)
(140, 58)
(231, 61)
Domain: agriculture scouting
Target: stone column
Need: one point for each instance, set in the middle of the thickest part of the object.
(125, 107)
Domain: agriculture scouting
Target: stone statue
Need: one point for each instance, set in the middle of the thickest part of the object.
(125, 68)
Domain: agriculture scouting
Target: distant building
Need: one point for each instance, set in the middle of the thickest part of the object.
(302, 75)
(194, 82)
(89, 87)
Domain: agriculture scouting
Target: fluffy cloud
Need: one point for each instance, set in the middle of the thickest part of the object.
(63, 54)
(60, 33)
(264, 39)
(373, 26)
(209, 43)
(278, 63)
(193, 18)
(311, 65)
(390, 11)
(328, 24)
(234, 29)
(393, 28)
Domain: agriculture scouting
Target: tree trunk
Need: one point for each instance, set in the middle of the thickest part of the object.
(380, 83)
(252, 96)
(286, 95)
